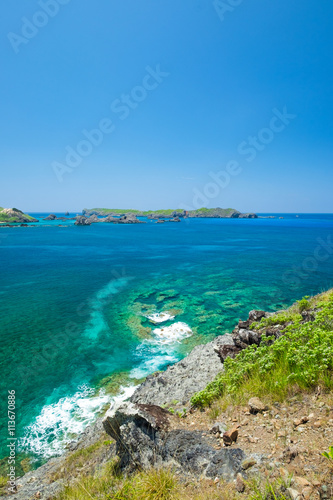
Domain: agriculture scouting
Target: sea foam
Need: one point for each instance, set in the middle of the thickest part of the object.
(160, 317)
(60, 423)
(174, 333)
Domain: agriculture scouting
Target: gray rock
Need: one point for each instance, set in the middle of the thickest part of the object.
(218, 428)
(183, 379)
(82, 221)
(143, 440)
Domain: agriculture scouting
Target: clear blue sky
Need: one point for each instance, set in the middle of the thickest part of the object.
(227, 72)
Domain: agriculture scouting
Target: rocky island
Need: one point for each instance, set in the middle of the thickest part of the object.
(218, 213)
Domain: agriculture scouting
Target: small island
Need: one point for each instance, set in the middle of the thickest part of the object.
(14, 215)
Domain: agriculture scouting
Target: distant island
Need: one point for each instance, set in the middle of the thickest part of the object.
(218, 213)
(14, 215)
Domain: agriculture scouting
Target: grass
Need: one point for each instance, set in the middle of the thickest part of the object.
(299, 360)
(156, 484)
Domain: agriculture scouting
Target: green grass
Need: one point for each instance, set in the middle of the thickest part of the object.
(156, 484)
(8, 219)
(299, 360)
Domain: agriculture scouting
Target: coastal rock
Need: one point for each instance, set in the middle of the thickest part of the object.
(143, 440)
(227, 351)
(136, 429)
(51, 217)
(110, 218)
(82, 221)
(129, 219)
(255, 315)
(93, 219)
(183, 379)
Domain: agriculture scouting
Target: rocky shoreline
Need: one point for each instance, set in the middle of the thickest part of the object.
(149, 430)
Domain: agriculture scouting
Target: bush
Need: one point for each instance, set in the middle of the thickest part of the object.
(301, 359)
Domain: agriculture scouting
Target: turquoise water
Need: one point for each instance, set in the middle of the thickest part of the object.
(74, 302)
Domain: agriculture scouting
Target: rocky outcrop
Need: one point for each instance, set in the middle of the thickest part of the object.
(51, 217)
(129, 219)
(82, 221)
(180, 381)
(143, 440)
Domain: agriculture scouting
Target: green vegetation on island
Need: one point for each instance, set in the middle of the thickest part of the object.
(166, 213)
(14, 215)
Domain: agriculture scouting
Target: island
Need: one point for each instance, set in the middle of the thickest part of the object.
(218, 213)
(14, 215)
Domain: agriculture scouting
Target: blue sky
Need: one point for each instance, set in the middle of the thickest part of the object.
(183, 93)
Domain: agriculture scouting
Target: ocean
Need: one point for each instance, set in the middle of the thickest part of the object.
(77, 306)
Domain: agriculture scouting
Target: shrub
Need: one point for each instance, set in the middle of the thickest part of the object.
(301, 359)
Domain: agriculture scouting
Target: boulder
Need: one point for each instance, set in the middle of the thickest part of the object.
(143, 440)
(51, 217)
(82, 221)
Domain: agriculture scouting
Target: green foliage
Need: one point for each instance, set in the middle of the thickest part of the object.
(156, 484)
(299, 360)
(304, 304)
(329, 454)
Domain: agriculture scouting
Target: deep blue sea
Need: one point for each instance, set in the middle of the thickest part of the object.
(75, 300)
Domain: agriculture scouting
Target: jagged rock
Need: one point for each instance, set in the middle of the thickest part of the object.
(93, 218)
(256, 315)
(129, 219)
(160, 221)
(51, 217)
(227, 351)
(82, 221)
(183, 379)
(143, 440)
(175, 219)
(231, 436)
(240, 485)
(257, 406)
(110, 218)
